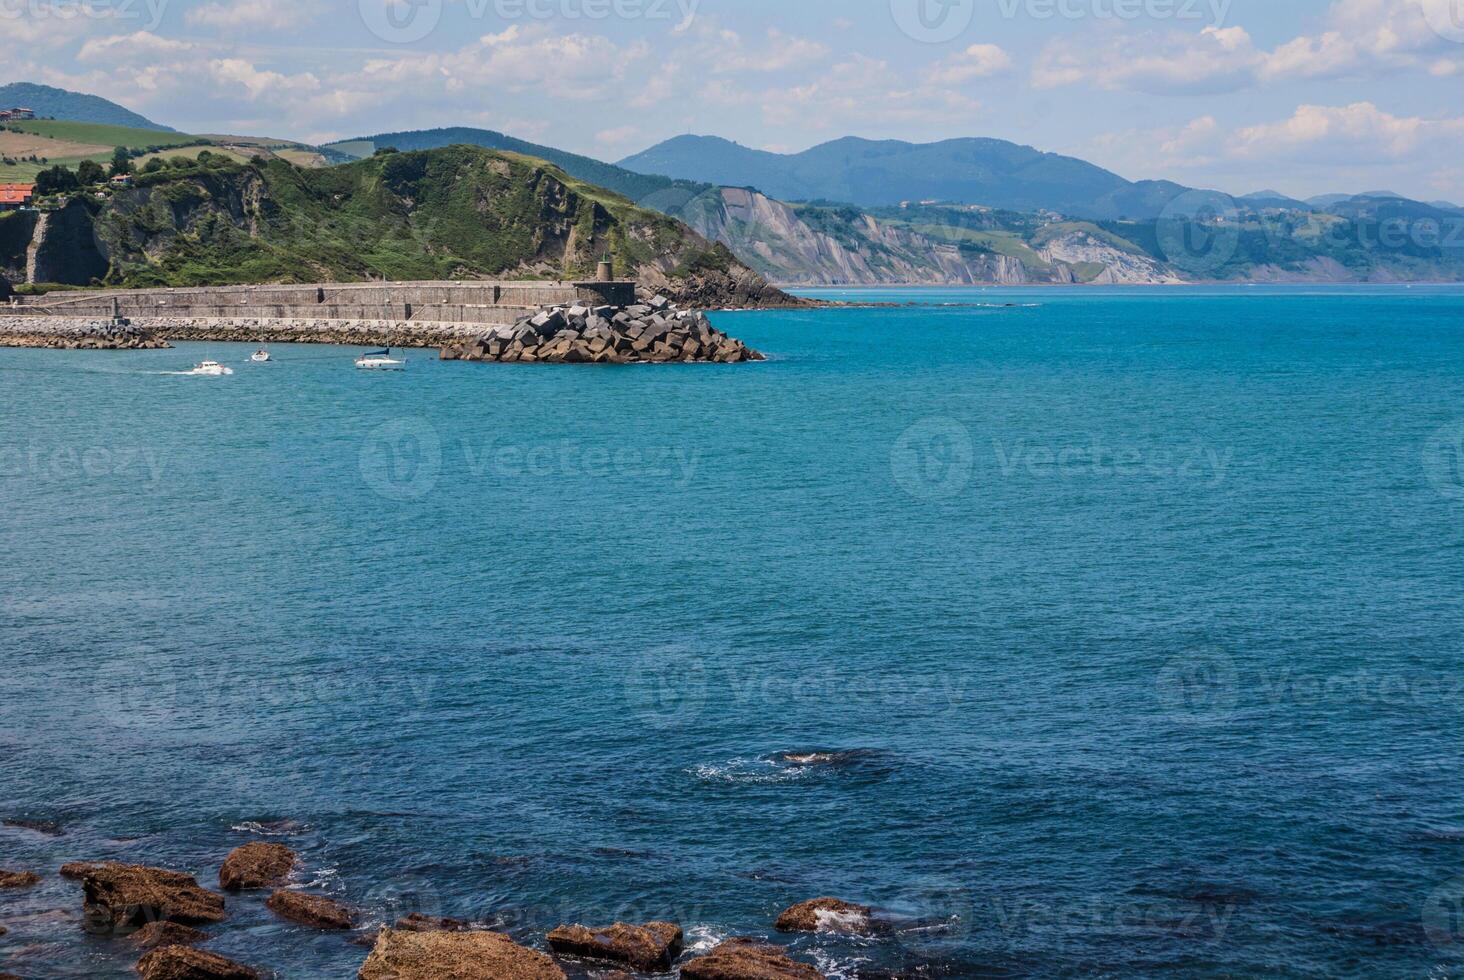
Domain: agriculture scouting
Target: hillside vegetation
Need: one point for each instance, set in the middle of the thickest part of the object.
(58, 103)
(452, 213)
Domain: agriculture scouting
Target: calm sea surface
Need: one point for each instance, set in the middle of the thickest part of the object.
(1136, 618)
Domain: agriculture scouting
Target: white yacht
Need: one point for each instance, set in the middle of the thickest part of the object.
(210, 369)
(260, 356)
(380, 360)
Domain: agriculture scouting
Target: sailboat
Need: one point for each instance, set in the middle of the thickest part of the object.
(380, 360)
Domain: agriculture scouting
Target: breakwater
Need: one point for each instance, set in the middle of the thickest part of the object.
(375, 302)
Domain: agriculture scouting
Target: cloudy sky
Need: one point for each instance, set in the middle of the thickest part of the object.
(1303, 96)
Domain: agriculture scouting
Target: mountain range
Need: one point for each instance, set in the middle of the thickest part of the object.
(880, 173)
(855, 211)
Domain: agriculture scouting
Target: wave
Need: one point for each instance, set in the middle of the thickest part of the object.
(271, 828)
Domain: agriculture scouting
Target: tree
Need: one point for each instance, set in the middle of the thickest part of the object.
(56, 180)
(153, 165)
(90, 172)
(121, 161)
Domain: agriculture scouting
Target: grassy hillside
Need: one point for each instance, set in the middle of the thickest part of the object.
(57, 103)
(457, 212)
(637, 187)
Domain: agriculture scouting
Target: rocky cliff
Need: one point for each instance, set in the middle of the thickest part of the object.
(839, 246)
(454, 213)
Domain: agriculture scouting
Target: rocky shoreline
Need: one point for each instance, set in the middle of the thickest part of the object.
(76, 334)
(655, 332)
(163, 914)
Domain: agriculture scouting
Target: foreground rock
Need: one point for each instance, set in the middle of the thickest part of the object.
(747, 959)
(68, 333)
(649, 948)
(156, 934)
(655, 332)
(122, 898)
(19, 879)
(316, 911)
(256, 865)
(186, 963)
(402, 955)
(825, 915)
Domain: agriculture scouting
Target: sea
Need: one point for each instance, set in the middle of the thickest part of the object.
(1090, 632)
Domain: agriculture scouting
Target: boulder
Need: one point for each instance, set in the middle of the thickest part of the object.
(187, 963)
(400, 955)
(747, 959)
(824, 915)
(19, 879)
(649, 948)
(316, 911)
(124, 897)
(156, 934)
(256, 865)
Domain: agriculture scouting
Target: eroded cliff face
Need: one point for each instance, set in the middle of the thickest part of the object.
(777, 241)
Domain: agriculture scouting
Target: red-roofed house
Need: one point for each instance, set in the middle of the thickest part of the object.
(14, 196)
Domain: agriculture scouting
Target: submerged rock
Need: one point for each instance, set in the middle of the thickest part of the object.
(825, 915)
(747, 959)
(401, 955)
(649, 948)
(187, 963)
(19, 879)
(417, 922)
(156, 934)
(311, 910)
(51, 828)
(124, 897)
(256, 865)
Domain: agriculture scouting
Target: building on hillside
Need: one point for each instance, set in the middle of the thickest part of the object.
(121, 180)
(14, 196)
(22, 113)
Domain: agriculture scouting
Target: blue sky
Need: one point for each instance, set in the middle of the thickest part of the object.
(1304, 96)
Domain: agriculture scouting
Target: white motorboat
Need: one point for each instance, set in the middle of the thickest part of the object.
(210, 369)
(380, 360)
(260, 356)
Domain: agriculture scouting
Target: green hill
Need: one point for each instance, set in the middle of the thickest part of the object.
(636, 186)
(58, 103)
(452, 213)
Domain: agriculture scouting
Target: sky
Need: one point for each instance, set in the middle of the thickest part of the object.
(1298, 96)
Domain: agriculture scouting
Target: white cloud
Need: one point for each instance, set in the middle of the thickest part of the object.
(141, 46)
(977, 61)
(1361, 38)
(255, 14)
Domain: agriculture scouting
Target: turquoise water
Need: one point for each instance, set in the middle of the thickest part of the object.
(1134, 614)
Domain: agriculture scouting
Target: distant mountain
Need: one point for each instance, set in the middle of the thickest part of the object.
(870, 173)
(1273, 199)
(58, 103)
(636, 186)
(1327, 200)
